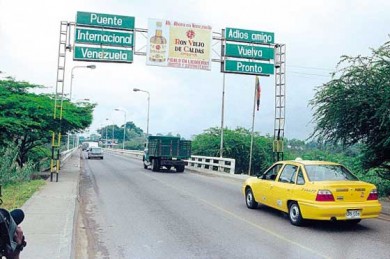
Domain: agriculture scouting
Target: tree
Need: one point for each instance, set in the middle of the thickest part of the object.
(354, 107)
(237, 146)
(26, 119)
(134, 135)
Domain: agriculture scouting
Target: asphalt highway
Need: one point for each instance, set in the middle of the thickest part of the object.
(129, 212)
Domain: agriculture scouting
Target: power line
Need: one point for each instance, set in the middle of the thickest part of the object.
(307, 74)
(315, 68)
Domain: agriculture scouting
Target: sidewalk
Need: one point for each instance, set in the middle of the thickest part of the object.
(50, 215)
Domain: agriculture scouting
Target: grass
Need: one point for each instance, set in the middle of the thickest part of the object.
(16, 194)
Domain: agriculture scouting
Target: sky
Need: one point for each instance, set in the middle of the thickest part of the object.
(183, 101)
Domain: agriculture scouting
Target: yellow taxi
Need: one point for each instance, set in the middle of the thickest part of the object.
(315, 190)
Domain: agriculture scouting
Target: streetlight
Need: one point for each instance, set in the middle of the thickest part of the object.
(71, 83)
(147, 124)
(124, 127)
(72, 75)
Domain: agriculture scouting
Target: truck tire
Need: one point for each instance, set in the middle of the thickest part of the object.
(144, 162)
(179, 168)
(155, 165)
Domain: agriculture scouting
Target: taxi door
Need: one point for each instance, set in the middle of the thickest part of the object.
(263, 186)
(283, 187)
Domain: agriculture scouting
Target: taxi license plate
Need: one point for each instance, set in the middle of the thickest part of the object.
(353, 214)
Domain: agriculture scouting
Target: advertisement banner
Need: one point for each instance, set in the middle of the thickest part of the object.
(178, 44)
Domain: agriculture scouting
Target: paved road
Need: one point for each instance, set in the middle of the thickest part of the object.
(129, 212)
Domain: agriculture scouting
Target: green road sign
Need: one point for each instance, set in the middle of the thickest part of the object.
(241, 35)
(245, 67)
(103, 54)
(105, 20)
(113, 38)
(248, 51)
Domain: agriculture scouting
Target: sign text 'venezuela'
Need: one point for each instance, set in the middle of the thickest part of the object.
(103, 54)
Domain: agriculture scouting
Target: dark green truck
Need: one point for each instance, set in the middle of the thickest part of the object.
(168, 152)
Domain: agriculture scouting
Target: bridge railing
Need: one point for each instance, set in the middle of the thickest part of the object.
(219, 164)
(196, 163)
(131, 153)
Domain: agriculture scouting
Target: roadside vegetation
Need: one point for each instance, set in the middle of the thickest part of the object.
(26, 126)
(17, 182)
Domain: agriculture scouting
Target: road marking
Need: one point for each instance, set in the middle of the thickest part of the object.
(262, 228)
(242, 219)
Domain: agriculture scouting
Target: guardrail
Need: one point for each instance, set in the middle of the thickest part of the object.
(197, 163)
(219, 164)
(66, 154)
(132, 153)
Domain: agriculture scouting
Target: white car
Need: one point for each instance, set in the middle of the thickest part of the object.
(95, 152)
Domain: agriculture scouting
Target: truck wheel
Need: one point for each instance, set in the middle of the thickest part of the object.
(155, 165)
(145, 165)
(180, 168)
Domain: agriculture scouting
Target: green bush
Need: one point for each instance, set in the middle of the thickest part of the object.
(10, 171)
(236, 146)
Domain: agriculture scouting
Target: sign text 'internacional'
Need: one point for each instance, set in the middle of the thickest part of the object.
(99, 37)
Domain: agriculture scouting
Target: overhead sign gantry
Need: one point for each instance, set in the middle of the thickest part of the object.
(102, 37)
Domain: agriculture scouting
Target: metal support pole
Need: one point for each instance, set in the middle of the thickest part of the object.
(222, 116)
(147, 121)
(253, 126)
(147, 124)
(223, 95)
(124, 132)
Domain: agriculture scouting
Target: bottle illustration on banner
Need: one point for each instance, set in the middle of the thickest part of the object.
(158, 45)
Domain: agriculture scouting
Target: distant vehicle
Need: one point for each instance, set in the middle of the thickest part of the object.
(87, 145)
(168, 152)
(95, 152)
(316, 190)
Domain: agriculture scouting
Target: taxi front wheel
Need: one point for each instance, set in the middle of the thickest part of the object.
(250, 199)
(294, 214)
